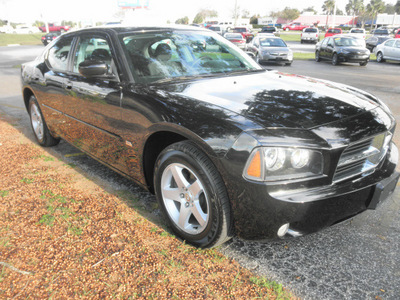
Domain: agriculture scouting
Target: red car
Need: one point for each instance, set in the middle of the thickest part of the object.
(53, 27)
(397, 35)
(295, 26)
(333, 31)
(245, 32)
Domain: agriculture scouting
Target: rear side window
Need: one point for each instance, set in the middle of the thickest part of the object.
(311, 30)
(57, 57)
(389, 43)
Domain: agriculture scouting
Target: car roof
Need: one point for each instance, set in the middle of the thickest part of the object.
(117, 28)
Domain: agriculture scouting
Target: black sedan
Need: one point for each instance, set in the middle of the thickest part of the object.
(49, 37)
(374, 41)
(228, 147)
(342, 48)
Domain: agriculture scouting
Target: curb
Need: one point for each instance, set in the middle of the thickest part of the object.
(13, 45)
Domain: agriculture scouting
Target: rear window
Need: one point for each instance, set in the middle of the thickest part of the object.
(334, 30)
(382, 31)
(357, 31)
(239, 29)
(268, 29)
(311, 30)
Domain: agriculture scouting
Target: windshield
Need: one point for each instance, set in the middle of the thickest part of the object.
(158, 56)
(272, 42)
(349, 42)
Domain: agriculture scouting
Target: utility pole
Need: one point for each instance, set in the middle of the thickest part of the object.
(334, 16)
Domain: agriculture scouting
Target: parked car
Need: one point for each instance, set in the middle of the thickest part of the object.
(374, 41)
(245, 32)
(49, 37)
(227, 147)
(218, 29)
(25, 29)
(397, 34)
(295, 26)
(270, 49)
(310, 34)
(333, 31)
(358, 32)
(270, 29)
(236, 38)
(389, 50)
(384, 32)
(54, 27)
(342, 48)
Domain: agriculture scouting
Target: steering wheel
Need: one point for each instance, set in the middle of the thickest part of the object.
(201, 59)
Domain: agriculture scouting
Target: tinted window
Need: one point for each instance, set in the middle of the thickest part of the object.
(357, 31)
(92, 48)
(311, 30)
(239, 29)
(57, 57)
(324, 42)
(268, 29)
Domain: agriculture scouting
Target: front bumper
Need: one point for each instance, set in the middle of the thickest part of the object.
(260, 210)
(275, 58)
(353, 58)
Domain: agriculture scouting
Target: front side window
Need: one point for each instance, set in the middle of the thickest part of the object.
(172, 54)
(92, 48)
(57, 57)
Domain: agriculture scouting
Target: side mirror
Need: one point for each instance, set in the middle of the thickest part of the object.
(251, 54)
(93, 68)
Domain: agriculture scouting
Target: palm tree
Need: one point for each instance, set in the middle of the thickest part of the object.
(374, 8)
(328, 7)
(354, 7)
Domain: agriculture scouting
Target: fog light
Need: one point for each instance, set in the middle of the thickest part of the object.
(283, 230)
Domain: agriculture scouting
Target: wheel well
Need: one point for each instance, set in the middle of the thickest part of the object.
(27, 95)
(154, 145)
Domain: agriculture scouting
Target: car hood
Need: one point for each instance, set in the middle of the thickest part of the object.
(276, 99)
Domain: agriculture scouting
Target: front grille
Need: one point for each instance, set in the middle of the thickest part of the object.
(362, 157)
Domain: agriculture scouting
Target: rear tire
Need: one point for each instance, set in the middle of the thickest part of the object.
(192, 195)
(39, 126)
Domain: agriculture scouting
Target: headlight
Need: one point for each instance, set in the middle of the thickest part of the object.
(279, 163)
(290, 55)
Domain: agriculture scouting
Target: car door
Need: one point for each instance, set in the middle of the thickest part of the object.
(388, 49)
(49, 83)
(396, 50)
(322, 49)
(93, 106)
(330, 48)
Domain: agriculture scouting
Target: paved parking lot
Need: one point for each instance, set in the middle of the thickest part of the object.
(358, 259)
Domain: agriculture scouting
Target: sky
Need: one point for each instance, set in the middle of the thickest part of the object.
(26, 11)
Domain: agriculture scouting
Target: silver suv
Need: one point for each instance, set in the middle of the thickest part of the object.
(310, 34)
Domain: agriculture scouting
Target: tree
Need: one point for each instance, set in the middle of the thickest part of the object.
(287, 14)
(389, 9)
(254, 19)
(203, 14)
(354, 8)
(397, 7)
(310, 9)
(339, 12)
(184, 20)
(245, 13)
(374, 8)
(328, 8)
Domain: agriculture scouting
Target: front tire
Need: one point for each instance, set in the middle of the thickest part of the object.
(192, 195)
(335, 59)
(379, 57)
(317, 57)
(364, 63)
(39, 126)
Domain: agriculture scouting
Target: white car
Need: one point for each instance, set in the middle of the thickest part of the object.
(358, 32)
(25, 29)
(389, 50)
